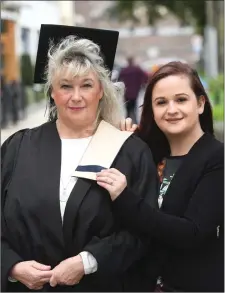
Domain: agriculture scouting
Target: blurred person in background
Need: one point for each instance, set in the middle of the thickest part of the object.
(188, 228)
(134, 78)
(5, 102)
(23, 100)
(15, 99)
(58, 228)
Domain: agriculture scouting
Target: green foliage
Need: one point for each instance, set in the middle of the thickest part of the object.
(218, 112)
(191, 12)
(33, 96)
(216, 89)
(123, 10)
(26, 69)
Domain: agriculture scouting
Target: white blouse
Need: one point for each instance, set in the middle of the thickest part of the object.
(72, 153)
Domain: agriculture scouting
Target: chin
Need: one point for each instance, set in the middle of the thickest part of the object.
(175, 131)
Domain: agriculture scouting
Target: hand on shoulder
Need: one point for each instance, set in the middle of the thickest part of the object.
(128, 125)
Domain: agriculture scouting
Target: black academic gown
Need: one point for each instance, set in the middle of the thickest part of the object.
(32, 227)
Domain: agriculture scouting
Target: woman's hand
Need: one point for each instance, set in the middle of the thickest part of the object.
(126, 125)
(32, 274)
(69, 272)
(113, 181)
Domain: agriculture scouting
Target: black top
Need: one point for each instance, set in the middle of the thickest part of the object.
(189, 227)
(172, 164)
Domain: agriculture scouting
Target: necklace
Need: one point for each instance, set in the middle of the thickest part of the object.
(64, 196)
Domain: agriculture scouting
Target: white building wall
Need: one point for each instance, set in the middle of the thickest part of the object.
(67, 9)
(31, 16)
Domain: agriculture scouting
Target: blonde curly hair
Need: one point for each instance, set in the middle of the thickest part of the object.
(80, 56)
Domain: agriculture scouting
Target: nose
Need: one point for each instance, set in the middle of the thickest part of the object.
(76, 95)
(172, 109)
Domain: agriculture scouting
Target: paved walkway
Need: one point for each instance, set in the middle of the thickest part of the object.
(35, 116)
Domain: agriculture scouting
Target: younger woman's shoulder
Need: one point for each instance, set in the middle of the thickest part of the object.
(216, 157)
(135, 142)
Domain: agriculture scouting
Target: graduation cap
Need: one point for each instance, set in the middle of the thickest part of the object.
(106, 39)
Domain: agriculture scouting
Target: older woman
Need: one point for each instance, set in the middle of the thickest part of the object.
(58, 229)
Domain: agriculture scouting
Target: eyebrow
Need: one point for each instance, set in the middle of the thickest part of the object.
(86, 79)
(177, 95)
(64, 79)
(181, 94)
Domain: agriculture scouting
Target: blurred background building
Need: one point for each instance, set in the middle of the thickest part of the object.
(20, 25)
(154, 32)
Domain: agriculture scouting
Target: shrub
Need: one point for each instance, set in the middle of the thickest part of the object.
(218, 113)
(216, 89)
(26, 69)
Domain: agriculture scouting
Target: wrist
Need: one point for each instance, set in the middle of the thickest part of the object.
(77, 260)
(13, 273)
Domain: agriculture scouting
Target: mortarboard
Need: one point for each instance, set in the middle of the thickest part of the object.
(106, 39)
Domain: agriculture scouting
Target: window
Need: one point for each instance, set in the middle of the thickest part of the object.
(25, 36)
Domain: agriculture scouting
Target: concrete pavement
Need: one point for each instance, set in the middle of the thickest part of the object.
(35, 116)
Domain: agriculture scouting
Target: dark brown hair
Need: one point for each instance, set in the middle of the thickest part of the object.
(148, 130)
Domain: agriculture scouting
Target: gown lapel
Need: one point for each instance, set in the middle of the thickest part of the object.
(178, 194)
(50, 158)
(77, 195)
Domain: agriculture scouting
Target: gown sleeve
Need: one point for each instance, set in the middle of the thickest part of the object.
(115, 252)
(203, 216)
(9, 152)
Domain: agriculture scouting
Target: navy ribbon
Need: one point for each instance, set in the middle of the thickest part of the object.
(90, 168)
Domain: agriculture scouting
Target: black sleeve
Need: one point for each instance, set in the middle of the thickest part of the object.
(204, 213)
(9, 152)
(116, 251)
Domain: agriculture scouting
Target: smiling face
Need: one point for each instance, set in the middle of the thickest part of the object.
(175, 107)
(77, 98)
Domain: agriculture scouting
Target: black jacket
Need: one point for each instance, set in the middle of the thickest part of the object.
(189, 228)
(32, 228)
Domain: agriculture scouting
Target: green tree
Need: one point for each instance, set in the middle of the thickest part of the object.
(191, 12)
(26, 69)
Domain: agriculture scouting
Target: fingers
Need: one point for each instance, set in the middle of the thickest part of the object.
(106, 180)
(53, 281)
(126, 125)
(45, 280)
(111, 171)
(105, 185)
(111, 175)
(123, 125)
(40, 266)
(134, 127)
(45, 275)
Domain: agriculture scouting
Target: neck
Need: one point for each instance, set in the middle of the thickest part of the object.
(68, 131)
(180, 145)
